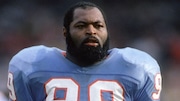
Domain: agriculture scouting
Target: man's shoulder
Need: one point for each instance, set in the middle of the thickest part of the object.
(130, 52)
(136, 58)
(32, 53)
(33, 56)
(135, 63)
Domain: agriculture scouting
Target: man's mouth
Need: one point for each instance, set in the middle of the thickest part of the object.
(91, 42)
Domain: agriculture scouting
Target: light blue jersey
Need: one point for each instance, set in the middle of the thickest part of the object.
(41, 73)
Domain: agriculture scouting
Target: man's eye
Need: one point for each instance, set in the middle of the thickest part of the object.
(98, 26)
(80, 26)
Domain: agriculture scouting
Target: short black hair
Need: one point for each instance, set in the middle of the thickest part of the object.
(68, 18)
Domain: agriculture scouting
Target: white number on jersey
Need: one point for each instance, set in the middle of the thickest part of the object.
(158, 87)
(95, 90)
(70, 86)
(10, 86)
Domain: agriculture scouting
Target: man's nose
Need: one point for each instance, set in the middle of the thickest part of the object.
(90, 30)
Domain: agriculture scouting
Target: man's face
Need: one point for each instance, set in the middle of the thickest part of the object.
(88, 22)
(88, 36)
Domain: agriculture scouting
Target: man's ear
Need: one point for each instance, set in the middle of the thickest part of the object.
(64, 31)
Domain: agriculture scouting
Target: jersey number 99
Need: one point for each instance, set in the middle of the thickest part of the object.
(72, 89)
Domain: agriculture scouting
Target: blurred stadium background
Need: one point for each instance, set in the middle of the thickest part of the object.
(152, 26)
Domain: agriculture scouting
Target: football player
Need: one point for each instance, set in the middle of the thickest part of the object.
(88, 70)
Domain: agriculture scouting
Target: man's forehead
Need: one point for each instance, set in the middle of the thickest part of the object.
(91, 13)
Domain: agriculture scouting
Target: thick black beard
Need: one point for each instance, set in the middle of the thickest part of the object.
(87, 54)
